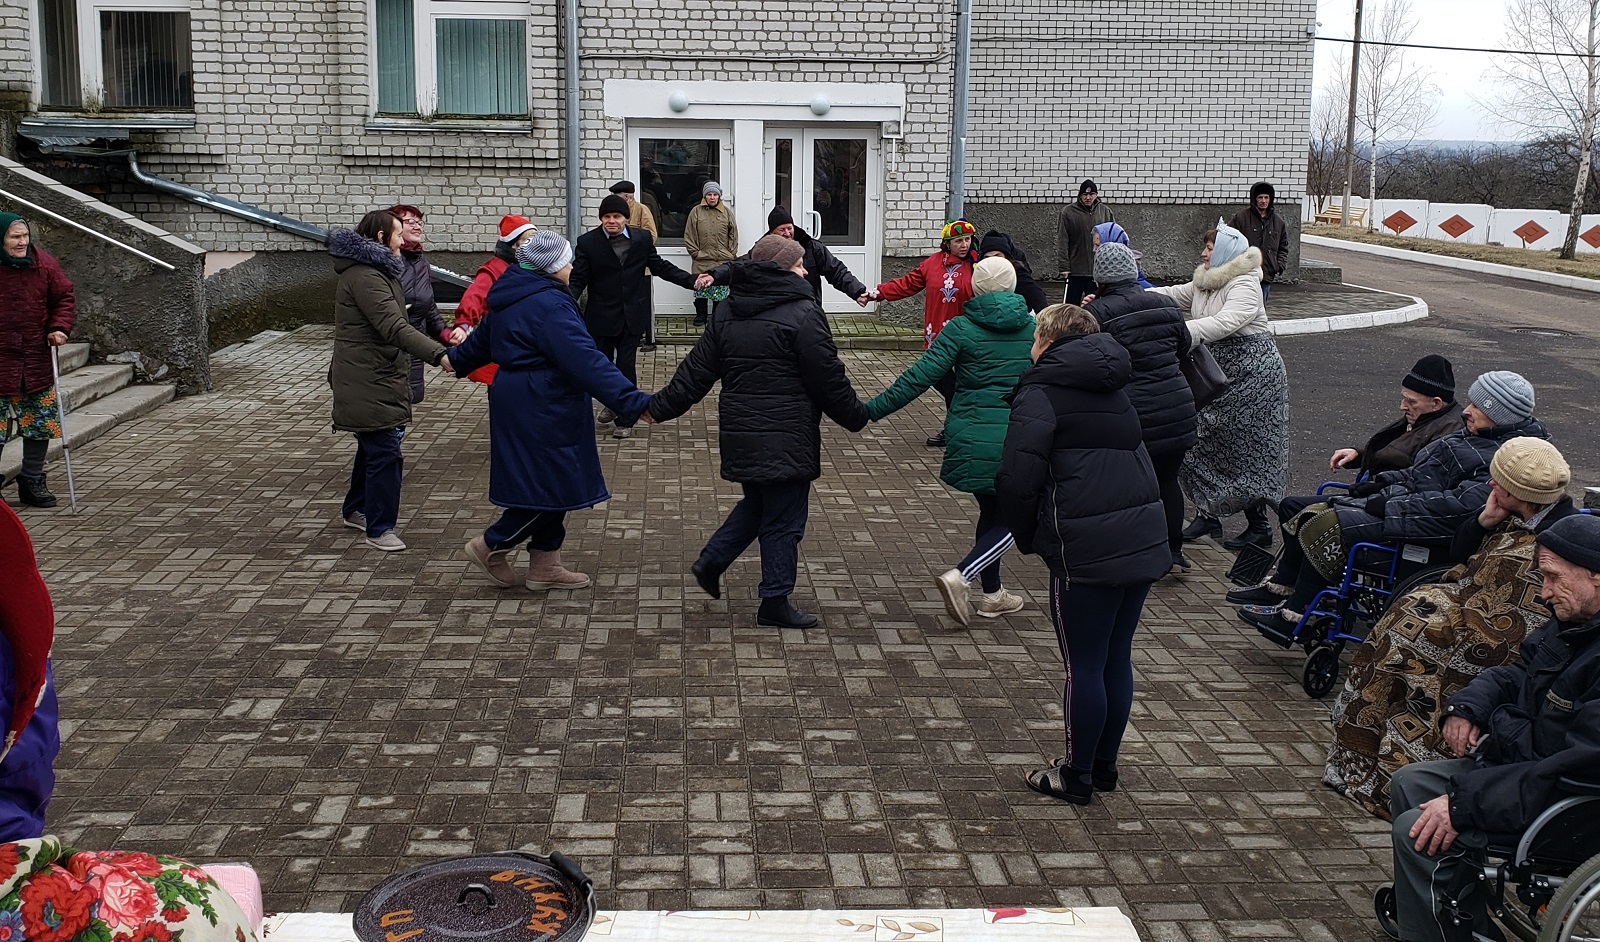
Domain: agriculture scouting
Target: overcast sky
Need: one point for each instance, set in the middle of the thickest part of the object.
(1459, 75)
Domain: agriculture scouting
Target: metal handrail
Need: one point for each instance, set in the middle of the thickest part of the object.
(80, 226)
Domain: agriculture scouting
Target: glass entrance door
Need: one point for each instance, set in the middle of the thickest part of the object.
(830, 180)
(669, 165)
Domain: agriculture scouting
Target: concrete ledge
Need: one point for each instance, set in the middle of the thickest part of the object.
(1416, 310)
(90, 422)
(1556, 279)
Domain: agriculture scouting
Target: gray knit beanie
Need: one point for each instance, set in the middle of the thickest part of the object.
(1505, 397)
(545, 252)
(1114, 262)
(710, 186)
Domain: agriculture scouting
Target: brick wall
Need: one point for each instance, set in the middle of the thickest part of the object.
(283, 99)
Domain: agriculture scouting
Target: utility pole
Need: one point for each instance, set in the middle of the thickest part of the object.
(958, 131)
(1350, 125)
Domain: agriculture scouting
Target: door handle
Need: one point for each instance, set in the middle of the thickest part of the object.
(815, 218)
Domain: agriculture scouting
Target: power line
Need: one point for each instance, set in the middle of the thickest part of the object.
(1504, 52)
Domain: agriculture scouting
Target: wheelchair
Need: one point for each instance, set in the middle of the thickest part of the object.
(1541, 886)
(1375, 574)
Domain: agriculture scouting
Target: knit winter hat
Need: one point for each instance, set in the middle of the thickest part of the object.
(614, 204)
(624, 186)
(710, 186)
(1531, 469)
(545, 252)
(775, 248)
(1576, 539)
(1113, 263)
(994, 274)
(512, 228)
(1229, 245)
(1087, 186)
(1432, 376)
(1505, 397)
(957, 229)
(778, 217)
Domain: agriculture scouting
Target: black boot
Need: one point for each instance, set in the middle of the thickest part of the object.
(709, 580)
(1257, 532)
(1201, 526)
(936, 441)
(33, 492)
(778, 612)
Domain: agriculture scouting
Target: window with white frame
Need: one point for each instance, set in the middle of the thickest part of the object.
(115, 55)
(452, 58)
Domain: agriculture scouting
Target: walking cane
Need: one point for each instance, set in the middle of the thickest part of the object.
(61, 409)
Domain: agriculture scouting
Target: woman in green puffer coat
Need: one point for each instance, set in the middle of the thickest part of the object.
(987, 349)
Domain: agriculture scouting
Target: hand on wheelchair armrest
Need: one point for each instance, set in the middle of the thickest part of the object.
(1580, 786)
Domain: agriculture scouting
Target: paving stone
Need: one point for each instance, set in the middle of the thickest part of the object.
(241, 679)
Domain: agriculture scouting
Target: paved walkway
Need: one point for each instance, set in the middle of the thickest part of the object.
(241, 679)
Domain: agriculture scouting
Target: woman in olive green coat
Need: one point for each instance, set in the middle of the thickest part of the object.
(987, 348)
(373, 344)
(711, 237)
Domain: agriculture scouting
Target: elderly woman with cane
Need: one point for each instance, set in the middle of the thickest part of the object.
(38, 314)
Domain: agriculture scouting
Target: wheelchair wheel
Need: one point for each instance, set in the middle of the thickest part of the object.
(1574, 913)
(1383, 907)
(1321, 671)
(1424, 576)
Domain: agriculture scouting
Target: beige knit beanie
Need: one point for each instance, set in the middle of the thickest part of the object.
(1531, 469)
(994, 274)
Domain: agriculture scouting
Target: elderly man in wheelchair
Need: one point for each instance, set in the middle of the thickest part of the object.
(1417, 510)
(1528, 735)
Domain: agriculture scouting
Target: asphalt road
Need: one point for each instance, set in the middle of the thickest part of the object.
(1345, 385)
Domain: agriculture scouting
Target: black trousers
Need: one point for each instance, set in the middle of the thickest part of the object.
(623, 350)
(1077, 287)
(1166, 466)
(776, 515)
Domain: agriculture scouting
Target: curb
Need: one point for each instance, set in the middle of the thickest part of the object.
(1415, 311)
(1556, 279)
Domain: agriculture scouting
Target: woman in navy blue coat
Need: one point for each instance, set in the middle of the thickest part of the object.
(542, 456)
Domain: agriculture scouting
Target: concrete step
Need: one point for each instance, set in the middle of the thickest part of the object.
(74, 356)
(88, 423)
(1320, 273)
(86, 384)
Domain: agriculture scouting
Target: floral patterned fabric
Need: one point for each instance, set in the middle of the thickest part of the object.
(53, 894)
(33, 415)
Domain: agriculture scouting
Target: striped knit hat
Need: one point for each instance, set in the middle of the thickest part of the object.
(545, 252)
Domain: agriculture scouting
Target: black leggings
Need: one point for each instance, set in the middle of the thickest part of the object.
(1166, 466)
(1094, 626)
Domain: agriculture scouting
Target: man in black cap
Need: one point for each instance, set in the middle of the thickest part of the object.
(1266, 231)
(640, 217)
(1428, 412)
(1519, 729)
(819, 262)
(1075, 240)
(611, 261)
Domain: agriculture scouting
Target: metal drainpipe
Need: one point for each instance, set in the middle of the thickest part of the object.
(574, 176)
(958, 132)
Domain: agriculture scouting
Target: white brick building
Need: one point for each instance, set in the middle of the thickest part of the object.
(323, 109)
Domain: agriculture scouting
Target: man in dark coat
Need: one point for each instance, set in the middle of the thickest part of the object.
(770, 346)
(1526, 725)
(610, 262)
(1266, 231)
(1151, 328)
(818, 261)
(1075, 240)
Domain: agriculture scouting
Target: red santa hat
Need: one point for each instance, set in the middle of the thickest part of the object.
(26, 619)
(512, 228)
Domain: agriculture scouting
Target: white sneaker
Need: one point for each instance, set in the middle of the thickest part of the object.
(1003, 602)
(955, 592)
(388, 541)
(620, 432)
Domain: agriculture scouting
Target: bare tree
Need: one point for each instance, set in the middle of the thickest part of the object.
(1324, 168)
(1396, 100)
(1553, 96)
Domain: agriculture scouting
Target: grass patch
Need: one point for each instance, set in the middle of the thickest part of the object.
(1584, 266)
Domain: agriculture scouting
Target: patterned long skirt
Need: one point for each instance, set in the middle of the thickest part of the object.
(1242, 456)
(1432, 642)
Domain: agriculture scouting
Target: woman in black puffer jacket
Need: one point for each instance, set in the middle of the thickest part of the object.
(1151, 328)
(1077, 488)
(770, 346)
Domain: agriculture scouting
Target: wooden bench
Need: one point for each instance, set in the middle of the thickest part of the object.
(1332, 216)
